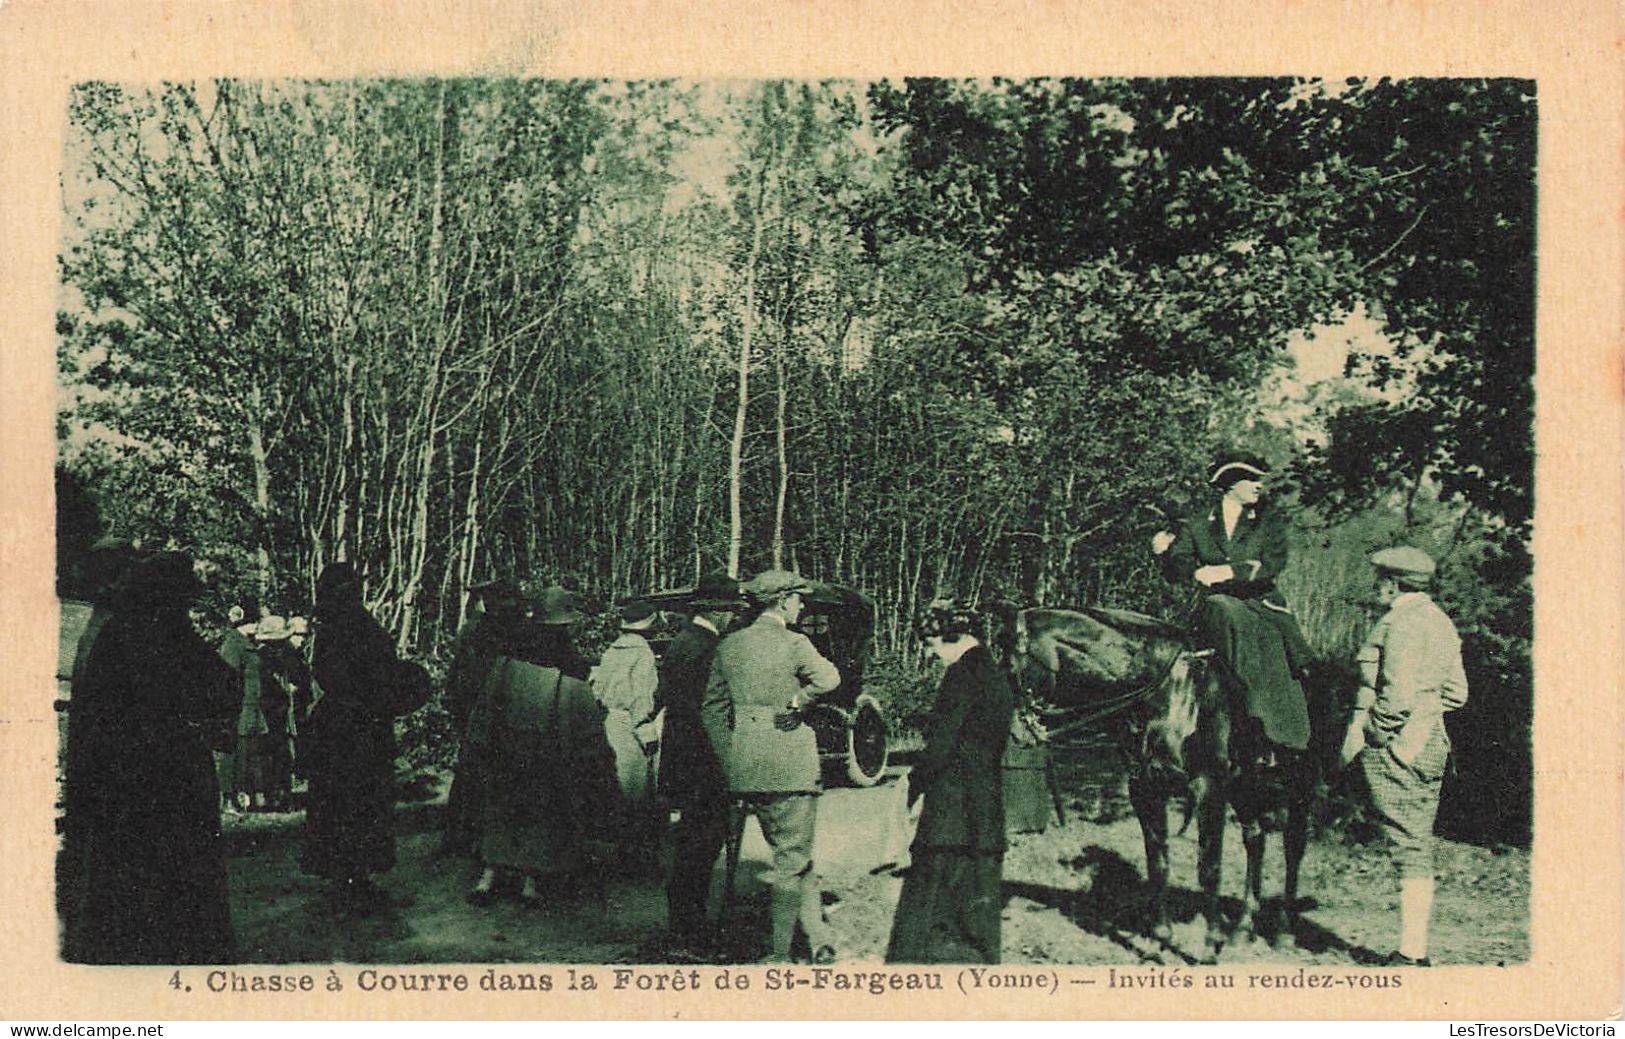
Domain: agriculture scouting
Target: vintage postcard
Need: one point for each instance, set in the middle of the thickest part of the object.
(1052, 510)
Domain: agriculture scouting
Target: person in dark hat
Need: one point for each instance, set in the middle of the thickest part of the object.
(550, 774)
(142, 818)
(495, 606)
(691, 777)
(1411, 675)
(951, 902)
(350, 742)
(1232, 555)
(762, 678)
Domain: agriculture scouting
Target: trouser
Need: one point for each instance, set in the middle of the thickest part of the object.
(787, 822)
(699, 836)
(1406, 797)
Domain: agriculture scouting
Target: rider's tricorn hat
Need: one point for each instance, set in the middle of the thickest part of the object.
(1409, 566)
(1236, 466)
(945, 618)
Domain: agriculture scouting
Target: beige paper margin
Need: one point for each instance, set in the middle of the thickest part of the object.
(1573, 49)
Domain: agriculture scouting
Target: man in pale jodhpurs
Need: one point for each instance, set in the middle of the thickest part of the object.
(1411, 674)
(762, 678)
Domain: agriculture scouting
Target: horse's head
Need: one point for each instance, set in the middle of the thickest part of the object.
(1071, 658)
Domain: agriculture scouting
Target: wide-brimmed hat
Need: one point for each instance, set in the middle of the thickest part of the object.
(716, 592)
(1234, 466)
(338, 579)
(945, 618)
(165, 577)
(770, 584)
(556, 605)
(1410, 566)
(272, 629)
(499, 596)
(638, 615)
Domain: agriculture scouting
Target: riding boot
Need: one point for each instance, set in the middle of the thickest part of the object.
(788, 895)
(811, 915)
(1415, 907)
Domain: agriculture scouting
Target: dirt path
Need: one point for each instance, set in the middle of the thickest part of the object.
(1074, 897)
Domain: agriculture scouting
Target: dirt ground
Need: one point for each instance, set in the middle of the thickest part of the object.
(1074, 896)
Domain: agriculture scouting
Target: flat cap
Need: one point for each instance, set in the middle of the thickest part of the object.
(1405, 561)
(770, 583)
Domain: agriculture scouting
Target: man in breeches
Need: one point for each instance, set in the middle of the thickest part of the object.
(762, 679)
(1411, 675)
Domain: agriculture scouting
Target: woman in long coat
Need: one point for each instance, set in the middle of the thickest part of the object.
(350, 740)
(142, 816)
(548, 768)
(1232, 555)
(951, 902)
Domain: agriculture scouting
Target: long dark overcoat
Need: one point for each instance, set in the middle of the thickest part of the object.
(1246, 619)
(689, 768)
(350, 744)
(141, 809)
(950, 907)
(475, 649)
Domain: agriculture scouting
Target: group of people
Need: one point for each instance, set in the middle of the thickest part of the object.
(1411, 670)
(556, 754)
(270, 675)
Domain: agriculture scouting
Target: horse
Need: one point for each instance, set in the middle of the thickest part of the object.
(1178, 723)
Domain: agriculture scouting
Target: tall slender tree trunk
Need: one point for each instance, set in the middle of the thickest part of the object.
(736, 447)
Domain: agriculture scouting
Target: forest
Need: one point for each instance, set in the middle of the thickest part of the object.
(921, 337)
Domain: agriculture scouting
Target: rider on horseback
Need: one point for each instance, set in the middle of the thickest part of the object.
(1234, 552)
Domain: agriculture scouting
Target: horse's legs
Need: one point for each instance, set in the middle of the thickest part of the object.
(1295, 840)
(1253, 838)
(1209, 794)
(1151, 808)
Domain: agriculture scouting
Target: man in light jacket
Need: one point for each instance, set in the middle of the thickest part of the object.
(1411, 674)
(763, 677)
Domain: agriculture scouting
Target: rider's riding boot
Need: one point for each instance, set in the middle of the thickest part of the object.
(1415, 907)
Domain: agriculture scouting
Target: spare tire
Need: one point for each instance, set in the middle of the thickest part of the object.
(866, 743)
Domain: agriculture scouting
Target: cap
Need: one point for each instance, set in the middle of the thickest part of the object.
(772, 583)
(637, 615)
(1410, 565)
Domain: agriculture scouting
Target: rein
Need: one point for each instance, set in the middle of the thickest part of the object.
(1123, 701)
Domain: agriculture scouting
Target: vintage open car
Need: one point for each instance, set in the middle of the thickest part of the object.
(849, 723)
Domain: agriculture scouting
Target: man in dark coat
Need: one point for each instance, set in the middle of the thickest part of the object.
(690, 775)
(1234, 552)
(142, 816)
(351, 740)
(951, 902)
(476, 648)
